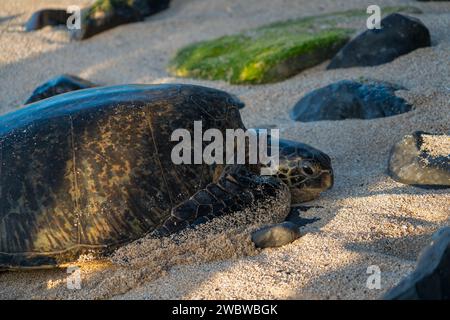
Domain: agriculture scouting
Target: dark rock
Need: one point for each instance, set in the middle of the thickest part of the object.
(422, 160)
(61, 84)
(350, 100)
(108, 14)
(431, 278)
(276, 235)
(46, 17)
(399, 35)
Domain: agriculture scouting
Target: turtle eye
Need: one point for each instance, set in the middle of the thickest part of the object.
(307, 169)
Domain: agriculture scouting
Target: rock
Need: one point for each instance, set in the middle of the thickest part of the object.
(431, 278)
(61, 84)
(348, 99)
(107, 14)
(46, 17)
(400, 34)
(422, 160)
(276, 235)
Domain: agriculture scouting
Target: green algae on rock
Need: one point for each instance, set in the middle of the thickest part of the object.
(269, 53)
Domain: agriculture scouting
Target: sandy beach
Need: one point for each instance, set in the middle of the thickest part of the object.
(366, 219)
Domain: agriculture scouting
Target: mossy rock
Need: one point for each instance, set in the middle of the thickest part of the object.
(269, 53)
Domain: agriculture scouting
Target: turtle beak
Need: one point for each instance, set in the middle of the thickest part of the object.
(327, 180)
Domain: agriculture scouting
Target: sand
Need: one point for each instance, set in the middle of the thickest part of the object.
(366, 219)
(436, 145)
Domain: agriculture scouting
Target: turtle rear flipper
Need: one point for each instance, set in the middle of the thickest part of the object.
(238, 188)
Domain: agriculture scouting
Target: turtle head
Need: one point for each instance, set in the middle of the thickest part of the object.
(305, 170)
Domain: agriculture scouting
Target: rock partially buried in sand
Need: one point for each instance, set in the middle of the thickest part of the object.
(46, 17)
(422, 160)
(276, 235)
(399, 35)
(60, 84)
(108, 14)
(431, 278)
(348, 99)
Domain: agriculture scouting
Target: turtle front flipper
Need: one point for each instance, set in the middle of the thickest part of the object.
(238, 188)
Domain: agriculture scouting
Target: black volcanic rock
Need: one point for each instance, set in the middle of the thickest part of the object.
(399, 35)
(348, 99)
(61, 84)
(108, 14)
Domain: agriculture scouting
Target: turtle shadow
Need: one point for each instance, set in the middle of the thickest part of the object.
(311, 217)
(295, 215)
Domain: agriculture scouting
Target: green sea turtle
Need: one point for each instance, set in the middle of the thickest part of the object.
(91, 170)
